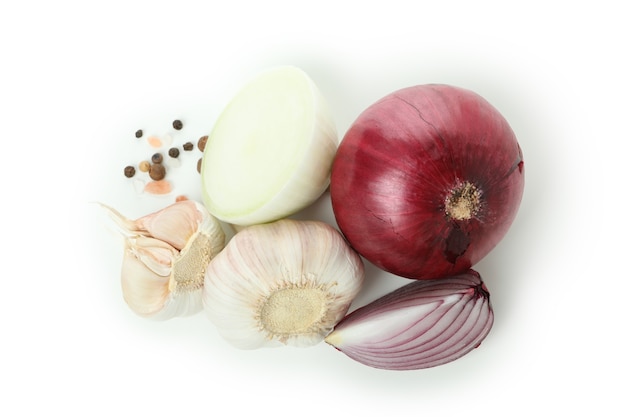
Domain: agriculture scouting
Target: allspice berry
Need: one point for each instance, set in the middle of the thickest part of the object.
(129, 171)
(202, 143)
(157, 172)
(144, 166)
(157, 158)
(173, 152)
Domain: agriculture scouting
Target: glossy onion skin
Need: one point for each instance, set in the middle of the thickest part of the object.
(421, 325)
(399, 161)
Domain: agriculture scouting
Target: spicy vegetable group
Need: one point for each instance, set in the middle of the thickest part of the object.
(424, 184)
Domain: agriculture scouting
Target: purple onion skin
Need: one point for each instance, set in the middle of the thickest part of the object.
(400, 161)
(441, 321)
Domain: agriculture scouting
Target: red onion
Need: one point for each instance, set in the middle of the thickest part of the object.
(421, 325)
(427, 181)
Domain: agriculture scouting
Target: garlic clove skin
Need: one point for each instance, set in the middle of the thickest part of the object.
(165, 257)
(145, 291)
(174, 224)
(282, 283)
(154, 254)
(421, 325)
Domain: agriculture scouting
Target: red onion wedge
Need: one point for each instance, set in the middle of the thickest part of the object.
(427, 181)
(423, 324)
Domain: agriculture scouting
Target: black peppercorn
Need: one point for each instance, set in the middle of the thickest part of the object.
(188, 146)
(157, 158)
(139, 133)
(202, 143)
(129, 171)
(173, 152)
(157, 172)
(177, 124)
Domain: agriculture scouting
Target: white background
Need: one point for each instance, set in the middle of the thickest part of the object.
(78, 78)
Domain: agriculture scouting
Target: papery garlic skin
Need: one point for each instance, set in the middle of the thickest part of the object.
(421, 325)
(165, 257)
(270, 150)
(282, 283)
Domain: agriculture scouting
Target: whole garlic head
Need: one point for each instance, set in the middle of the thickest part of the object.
(165, 257)
(282, 283)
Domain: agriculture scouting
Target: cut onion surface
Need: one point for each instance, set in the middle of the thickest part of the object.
(421, 325)
(270, 152)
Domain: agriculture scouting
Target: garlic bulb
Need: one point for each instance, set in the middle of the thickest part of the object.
(165, 257)
(421, 325)
(270, 151)
(282, 283)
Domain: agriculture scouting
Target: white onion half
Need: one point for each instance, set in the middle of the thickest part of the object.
(270, 152)
(421, 325)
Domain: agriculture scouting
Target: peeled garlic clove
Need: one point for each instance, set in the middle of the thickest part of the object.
(282, 283)
(271, 149)
(165, 257)
(421, 325)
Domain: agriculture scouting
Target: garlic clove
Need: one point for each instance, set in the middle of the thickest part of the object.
(421, 325)
(282, 283)
(173, 224)
(155, 254)
(165, 257)
(143, 289)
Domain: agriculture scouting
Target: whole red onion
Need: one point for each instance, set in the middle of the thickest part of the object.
(427, 181)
